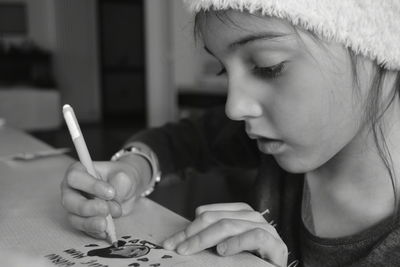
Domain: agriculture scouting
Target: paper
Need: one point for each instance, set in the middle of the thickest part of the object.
(130, 252)
(47, 233)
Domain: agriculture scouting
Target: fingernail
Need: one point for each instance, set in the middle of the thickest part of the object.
(109, 192)
(103, 190)
(221, 248)
(182, 249)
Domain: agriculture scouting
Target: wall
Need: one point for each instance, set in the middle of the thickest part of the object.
(68, 28)
(185, 52)
(161, 92)
(76, 57)
(194, 69)
(41, 21)
(175, 63)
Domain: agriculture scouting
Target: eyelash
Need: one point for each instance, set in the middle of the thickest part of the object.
(270, 72)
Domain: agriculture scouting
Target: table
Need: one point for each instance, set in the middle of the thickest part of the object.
(32, 218)
(41, 112)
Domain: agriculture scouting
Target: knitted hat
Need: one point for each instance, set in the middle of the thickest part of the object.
(368, 27)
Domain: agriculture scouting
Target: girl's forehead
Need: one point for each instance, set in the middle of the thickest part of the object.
(227, 27)
(242, 21)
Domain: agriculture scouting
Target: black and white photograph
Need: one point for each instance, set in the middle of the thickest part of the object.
(199, 133)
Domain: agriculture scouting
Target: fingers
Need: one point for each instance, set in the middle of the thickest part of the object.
(115, 209)
(124, 186)
(94, 226)
(213, 235)
(79, 179)
(259, 241)
(77, 204)
(233, 227)
(78, 182)
(127, 206)
(113, 196)
(208, 218)
(237, 206)
(122, 177)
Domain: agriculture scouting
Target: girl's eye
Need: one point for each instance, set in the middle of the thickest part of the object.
(270, 72)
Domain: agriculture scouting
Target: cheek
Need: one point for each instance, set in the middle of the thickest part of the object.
(316, 124)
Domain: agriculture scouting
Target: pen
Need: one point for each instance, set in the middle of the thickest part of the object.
(85, 159)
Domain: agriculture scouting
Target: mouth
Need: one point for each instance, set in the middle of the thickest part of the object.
(260, 137)
(270, 146)
(267, 145)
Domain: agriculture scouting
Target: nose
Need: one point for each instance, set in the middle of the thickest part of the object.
(241, 104)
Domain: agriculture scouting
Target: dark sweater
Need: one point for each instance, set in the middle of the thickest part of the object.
(213, 140)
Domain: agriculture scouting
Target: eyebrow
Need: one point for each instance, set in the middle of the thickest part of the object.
(251, 39)
(256, 37)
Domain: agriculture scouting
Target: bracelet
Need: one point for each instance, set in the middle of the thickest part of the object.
(151, 159)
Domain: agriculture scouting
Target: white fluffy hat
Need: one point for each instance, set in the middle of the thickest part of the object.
(368, 27)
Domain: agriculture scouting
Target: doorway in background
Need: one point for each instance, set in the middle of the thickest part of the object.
(122, 61)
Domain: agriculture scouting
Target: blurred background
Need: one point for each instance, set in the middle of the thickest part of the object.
(123, 65)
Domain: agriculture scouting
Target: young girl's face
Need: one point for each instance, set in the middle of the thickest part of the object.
(295, 95)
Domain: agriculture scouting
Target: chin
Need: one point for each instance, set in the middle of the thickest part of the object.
(295, 165)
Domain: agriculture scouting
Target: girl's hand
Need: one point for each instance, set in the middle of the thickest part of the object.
(233, 228)
(89, 200)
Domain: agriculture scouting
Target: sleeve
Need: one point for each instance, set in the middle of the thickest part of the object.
(210, 140)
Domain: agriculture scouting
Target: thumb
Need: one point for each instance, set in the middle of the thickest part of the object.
(124, 187)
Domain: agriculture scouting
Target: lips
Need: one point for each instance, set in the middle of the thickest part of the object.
(270, 146)
(266, 144)
(266, 139)
(261, 137)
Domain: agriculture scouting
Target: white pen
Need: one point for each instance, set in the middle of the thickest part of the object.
(85, 159)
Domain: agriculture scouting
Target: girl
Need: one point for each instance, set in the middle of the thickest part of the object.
(313, 101)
